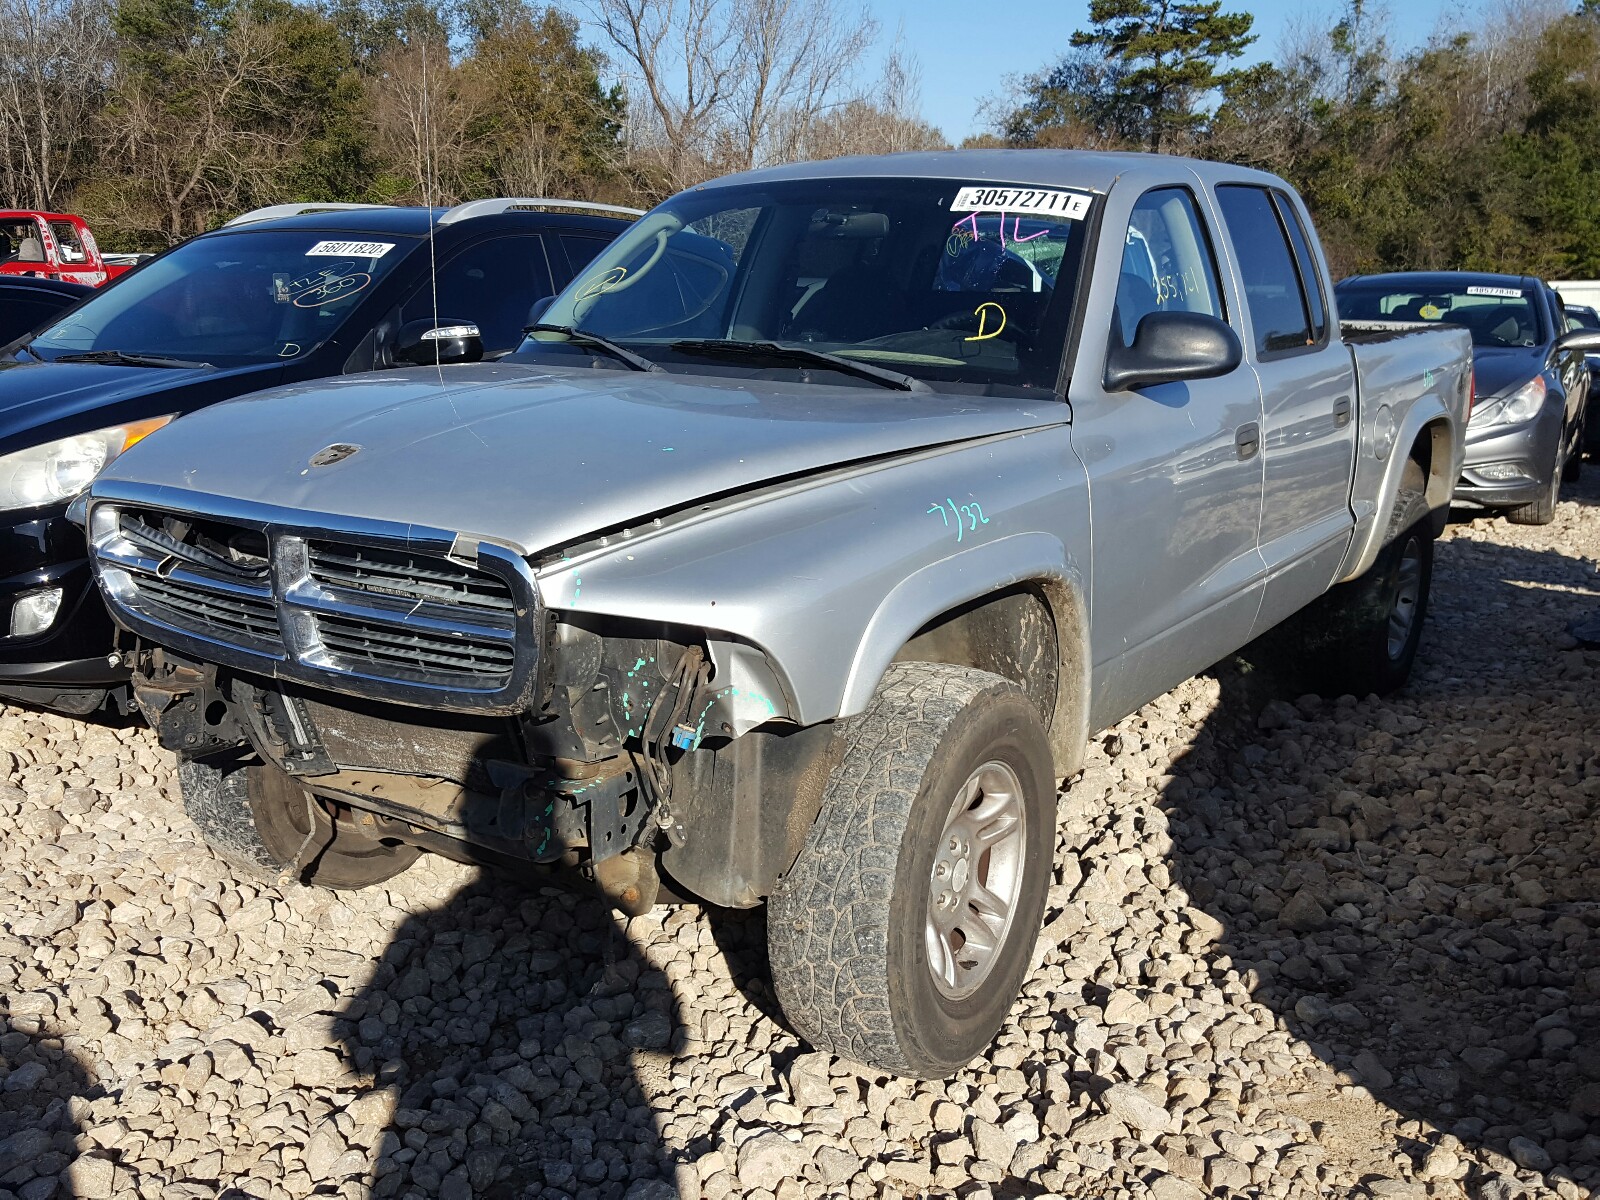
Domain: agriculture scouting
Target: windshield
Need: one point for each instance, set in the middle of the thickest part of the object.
(1493, 314)
(230, 299)
(927, 278)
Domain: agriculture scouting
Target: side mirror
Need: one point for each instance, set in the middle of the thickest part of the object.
(538, 309)
(445, 340)
(1173, 346)
(1585, 341)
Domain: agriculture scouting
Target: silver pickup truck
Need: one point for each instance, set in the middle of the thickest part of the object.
(794, 557)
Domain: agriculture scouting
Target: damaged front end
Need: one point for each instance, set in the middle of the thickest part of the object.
(412, 682)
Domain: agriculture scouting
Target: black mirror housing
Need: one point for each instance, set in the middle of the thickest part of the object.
(1169, 347)
(443, 340)
(1585, 341)
(538, 309)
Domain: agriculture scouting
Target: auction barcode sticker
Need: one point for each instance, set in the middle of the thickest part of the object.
(350, 249)
(1072, 205)
(1503, 293)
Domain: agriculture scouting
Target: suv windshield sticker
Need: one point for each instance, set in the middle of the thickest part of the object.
(350, 249)
(1072, 205)
(337, 282)
(1503, 293)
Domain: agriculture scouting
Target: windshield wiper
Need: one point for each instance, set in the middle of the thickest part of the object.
(782, 350)
(583, 337)
(121, 358)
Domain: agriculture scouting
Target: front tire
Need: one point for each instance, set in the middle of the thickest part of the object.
(901, 935)
(1543, 510)
(255, 817)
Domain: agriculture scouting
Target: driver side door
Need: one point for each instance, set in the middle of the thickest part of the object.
(1175, 476)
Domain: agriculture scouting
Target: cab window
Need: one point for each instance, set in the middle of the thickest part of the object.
(1167, 263)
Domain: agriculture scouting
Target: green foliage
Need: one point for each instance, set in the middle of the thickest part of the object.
(1475, 151)
(214, 106)
(1166, 56)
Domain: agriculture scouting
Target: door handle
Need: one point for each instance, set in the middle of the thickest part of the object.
(1341, 412)
(1248, 440)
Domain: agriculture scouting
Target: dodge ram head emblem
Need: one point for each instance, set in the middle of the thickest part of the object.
(337, 452)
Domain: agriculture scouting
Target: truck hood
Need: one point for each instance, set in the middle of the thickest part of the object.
(42, 401)
(535, 458)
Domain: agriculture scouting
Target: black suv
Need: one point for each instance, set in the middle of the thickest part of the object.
(277, 296)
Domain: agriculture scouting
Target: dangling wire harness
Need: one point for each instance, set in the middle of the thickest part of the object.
(689, 677)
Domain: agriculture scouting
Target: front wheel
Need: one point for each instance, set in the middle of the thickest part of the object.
(1543, 510)
(901, 935)
(257, 818)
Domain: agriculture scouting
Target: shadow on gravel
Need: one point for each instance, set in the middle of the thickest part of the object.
(507, 1033)
(1413, 885)
(42, 1083)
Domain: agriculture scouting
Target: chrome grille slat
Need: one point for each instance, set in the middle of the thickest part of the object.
(386, 617)
(407, 575)
(375, 645)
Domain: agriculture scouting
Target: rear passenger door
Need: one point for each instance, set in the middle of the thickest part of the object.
(491, 283)
(1307, 397)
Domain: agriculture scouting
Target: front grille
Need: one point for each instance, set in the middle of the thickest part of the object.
(388, 649)
(199, 575)
(182, 602)
(380, 617)
(407, 576)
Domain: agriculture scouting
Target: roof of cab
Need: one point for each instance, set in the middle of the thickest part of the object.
(1443, 279)
(412, 221)
(1092, 170)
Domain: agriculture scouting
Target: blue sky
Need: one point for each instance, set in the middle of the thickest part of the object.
(967, 48)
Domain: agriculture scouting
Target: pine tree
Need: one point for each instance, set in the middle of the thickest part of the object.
(1170, 54)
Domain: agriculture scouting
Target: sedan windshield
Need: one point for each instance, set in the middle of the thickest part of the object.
(928, 280)
(229, 299)
(1494, 315)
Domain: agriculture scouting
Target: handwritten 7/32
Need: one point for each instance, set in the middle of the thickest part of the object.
(968, 516)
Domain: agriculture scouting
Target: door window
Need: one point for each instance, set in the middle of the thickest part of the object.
(580, 250)
(492, 284)
(1271, 281)
(1167, 264)
(1310, 277)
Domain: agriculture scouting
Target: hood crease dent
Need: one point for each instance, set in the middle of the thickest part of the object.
(537, 459)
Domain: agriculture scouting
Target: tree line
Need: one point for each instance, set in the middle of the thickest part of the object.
(158, 119)
(1478, 151)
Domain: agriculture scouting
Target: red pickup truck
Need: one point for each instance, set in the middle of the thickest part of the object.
(55, 246)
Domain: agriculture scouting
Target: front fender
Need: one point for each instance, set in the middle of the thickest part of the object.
(829, 577)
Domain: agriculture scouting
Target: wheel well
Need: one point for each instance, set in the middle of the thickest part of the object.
(1031, 634)
(1428, 470)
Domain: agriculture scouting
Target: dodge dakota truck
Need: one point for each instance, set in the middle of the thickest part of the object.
(793, 558)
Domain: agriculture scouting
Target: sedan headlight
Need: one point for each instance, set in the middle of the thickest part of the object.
(1521, 405)
(59, 470)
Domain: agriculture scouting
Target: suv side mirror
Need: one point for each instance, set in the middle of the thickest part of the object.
(445, 340)
(1172, 346)
(1585, 341)
(538, 309)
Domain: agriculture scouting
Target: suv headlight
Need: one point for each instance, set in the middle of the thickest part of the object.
(59, 470)
(1521, 405)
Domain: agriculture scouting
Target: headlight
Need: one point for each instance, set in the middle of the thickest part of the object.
(59, 470)
(1521, 405)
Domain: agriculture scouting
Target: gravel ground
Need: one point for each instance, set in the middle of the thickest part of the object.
(1295, 948)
